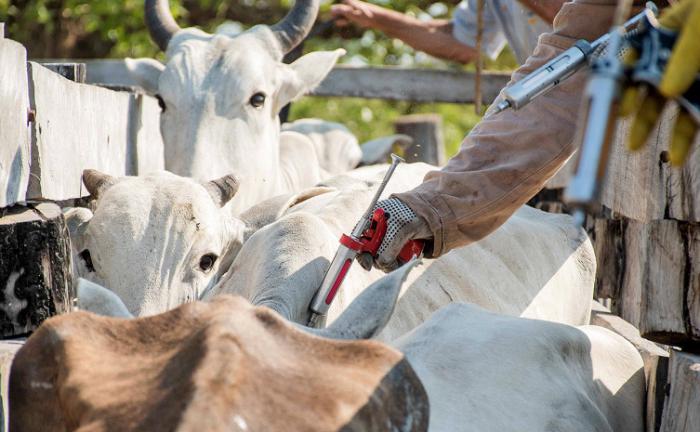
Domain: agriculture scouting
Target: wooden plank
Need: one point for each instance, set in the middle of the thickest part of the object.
(417, 85)
(652, 273)
(609, 247)
(682, 407)
(80, 126)
(642, 185)
(426, 132)
(15, 147)
(391, 83)
(35, 267)
(665, 282)
(145, 140)
(657, 384)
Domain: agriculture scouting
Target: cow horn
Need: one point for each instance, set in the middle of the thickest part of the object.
(222, 189)
(370, 311)
(97, 182)
(160, 22)
(296, 25)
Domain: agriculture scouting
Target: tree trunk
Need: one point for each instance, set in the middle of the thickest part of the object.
(35, 267)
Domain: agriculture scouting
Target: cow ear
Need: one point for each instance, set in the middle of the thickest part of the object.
(222, 189)
(99, 300)
(97, 182)
(370, 311)
(305, 74)
(146, 72)
(77, 219)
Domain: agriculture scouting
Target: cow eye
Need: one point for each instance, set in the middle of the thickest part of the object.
(161, 103)
(258, 99)
(207, 262)
(87, 259)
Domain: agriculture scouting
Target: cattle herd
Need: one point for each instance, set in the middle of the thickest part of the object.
(195, 283)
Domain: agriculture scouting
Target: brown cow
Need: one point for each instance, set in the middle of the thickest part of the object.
(219, 366)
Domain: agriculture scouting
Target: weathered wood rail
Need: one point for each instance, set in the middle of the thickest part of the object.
(52, 128)
(390, 83)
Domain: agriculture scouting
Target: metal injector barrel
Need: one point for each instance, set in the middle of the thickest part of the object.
(557, 69)
(344, 256)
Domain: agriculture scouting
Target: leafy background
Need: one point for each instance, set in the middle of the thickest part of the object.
(114, 29)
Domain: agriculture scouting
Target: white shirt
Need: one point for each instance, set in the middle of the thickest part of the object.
(505, 21)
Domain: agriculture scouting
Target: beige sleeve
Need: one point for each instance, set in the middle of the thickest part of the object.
(507, 158)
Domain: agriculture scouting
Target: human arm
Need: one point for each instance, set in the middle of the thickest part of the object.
(433, 37)
(545, 9)
(507, 158)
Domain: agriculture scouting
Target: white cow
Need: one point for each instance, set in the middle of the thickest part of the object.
(221, 95)
(537, 265)
(484, 371)
(156, 241)
(159, 240)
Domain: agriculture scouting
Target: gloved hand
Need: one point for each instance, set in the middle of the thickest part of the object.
(680, 73)
(403, 224)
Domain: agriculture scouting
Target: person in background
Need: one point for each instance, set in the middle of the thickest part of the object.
(517, 23)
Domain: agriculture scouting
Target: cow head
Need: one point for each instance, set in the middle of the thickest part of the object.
(158, 240)
(219, 366)
(221, 94)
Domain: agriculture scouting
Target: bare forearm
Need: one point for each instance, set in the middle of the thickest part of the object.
(545, 9)
(433, 37)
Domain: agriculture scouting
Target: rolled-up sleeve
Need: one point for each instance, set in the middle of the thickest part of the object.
(507, 158)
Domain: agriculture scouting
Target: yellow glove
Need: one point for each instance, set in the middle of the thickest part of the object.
(680, 73)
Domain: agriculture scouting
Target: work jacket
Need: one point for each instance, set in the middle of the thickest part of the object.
(507, 158)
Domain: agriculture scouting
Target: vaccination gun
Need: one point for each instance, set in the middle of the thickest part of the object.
(560, 68)
(366, 237)
(601, 99)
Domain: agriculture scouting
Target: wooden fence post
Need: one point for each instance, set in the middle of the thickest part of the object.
(35, 267)
(426, 131)
(682, 408)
